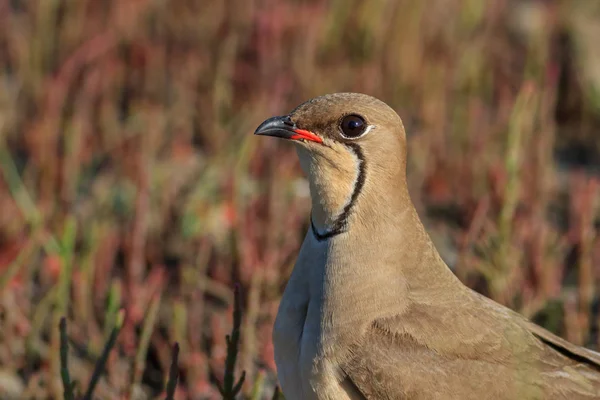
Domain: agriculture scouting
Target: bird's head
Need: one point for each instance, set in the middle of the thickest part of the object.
(349, 145)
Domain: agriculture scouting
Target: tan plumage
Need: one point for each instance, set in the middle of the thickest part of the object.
(371, 311)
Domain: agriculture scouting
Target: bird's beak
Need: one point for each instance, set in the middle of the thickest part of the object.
(283, 127)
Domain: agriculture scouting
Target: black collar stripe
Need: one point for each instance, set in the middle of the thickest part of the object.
(340, 224)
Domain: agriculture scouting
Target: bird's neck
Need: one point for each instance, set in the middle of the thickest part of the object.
(379, 265)
(384, 258)
(365, 211)
(333, 200)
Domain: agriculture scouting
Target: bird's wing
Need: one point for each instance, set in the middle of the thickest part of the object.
(567, 349)
(386, 367)
(470, 352)
(552, 343)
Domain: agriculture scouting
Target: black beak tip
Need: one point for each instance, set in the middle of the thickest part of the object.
(281, 126)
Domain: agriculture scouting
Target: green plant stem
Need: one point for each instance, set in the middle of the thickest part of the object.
(148, 327)
(64, 367)
(276, 394)
(101, 363)
(173, 373)
(229, 389)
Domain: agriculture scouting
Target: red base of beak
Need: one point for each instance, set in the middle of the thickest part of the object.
(306, 135)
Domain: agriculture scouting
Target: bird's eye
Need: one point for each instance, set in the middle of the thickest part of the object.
(352, 126)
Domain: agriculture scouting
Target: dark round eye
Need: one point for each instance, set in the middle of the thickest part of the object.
(352, 126)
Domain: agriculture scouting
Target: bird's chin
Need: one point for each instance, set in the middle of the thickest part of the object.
(313, 155)
(308, 149)
(302, 142)
(309, 145)
(306, 156)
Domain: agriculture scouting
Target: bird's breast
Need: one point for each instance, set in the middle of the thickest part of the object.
(295, 333)
(300, 331)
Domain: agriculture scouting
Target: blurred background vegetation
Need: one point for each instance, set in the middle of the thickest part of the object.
(130, 179)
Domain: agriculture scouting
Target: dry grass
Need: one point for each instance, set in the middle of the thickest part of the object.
(129, 178)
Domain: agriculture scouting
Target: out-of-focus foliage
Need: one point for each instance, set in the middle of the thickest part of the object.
(130, 179)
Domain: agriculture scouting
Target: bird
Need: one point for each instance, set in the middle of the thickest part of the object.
(370, 310)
